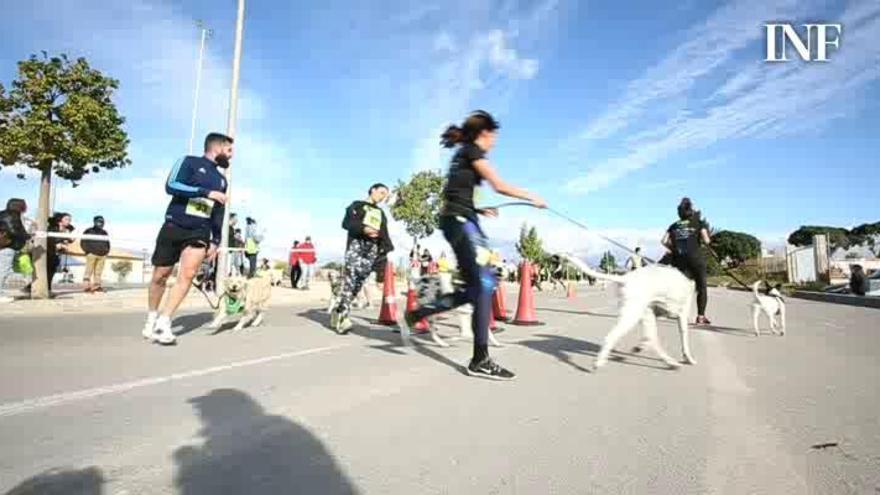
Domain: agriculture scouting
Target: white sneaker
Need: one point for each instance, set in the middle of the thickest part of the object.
(163, 334)
(6, 299)
(149, 331)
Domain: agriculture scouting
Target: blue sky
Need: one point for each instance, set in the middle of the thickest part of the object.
(610, 110)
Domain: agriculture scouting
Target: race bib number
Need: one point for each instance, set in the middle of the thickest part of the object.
(199, 207)
(373, 218)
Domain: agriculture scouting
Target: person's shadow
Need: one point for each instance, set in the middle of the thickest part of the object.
(246, 451)
(89, 481)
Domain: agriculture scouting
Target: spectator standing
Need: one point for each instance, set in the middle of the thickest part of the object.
(55, 246)
(252, 242)
(295, 262)
(13, 238)
(96, 253)
(858, 282)
(308, 259)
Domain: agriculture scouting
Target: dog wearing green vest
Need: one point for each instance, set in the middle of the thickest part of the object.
(246, 299)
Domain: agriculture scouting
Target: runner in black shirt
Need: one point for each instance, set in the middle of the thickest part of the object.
(461, 228)
(683, 239)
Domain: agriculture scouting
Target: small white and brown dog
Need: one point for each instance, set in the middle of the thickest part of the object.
(772, 305)
(247, 298)
(646, 293)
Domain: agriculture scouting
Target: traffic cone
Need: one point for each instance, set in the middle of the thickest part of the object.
(422, 325)
(388, 313)
(492, 317)
(571, 294)
(499, 308)
(525, 311)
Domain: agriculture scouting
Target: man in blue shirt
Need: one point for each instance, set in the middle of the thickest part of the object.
(191, 232)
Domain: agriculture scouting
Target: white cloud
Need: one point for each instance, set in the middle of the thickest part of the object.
(771, 107)
(707, 163)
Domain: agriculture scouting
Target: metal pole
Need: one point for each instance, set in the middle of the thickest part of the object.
(192, 132)
(230, 131)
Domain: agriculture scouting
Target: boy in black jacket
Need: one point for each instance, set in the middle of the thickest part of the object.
(96, 252)
(368, 239)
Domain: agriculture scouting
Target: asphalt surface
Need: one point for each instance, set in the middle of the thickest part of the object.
(87, 406)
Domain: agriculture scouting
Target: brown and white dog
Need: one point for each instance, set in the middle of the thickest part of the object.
(645, 293)
(248, 298)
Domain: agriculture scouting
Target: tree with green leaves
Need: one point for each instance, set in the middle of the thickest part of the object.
(803, 236)
(867, 233)
(736, 246)
(608, 263)
(530, 247)
(418, 203)
(59, 117)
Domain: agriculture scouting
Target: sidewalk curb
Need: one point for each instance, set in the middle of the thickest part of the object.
(845, 299)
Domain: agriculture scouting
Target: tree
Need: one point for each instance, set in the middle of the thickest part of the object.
(121, 269)
(608, 264)
(736, 246)
(418, 203)
(59, 117)
(803, 236)
(530, 247)
(867, 233)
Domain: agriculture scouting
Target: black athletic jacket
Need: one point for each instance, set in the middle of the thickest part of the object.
(97, 248)
(362, 214)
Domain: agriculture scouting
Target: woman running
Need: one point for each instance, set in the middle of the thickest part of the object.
(461, 228)
(683, 239)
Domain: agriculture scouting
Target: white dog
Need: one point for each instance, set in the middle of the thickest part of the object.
(246, 297)
(771, 304)
(644, 293)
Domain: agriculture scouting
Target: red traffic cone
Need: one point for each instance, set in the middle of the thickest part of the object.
(388, 313)
(525, 311)
(499, 308)
(422, 325)
(571, 293)
(492, 317)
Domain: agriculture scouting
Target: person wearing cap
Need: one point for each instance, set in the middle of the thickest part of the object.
(308, 258)
(96, 252)
(459, 222)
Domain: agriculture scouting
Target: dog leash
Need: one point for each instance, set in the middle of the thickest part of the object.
(727, 271)
(207, 298)
(575, 223)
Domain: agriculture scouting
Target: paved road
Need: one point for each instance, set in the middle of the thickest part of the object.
(88, 407)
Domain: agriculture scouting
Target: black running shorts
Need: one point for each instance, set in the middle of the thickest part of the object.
(172, 240)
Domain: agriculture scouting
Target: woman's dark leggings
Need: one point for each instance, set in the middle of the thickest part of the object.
(694, 266)
(252, 269)
(472, 254)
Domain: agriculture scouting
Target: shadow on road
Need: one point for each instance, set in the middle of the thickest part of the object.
(192, 322)
(246, 451)
(570, 312)
(89, 481)
(738, 332)
(389, 341)
(563, 348)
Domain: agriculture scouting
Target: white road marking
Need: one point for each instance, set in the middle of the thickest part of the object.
(21, 407)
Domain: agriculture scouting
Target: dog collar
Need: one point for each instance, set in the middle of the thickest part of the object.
(233, 306)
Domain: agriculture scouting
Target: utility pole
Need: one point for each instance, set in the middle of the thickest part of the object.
(230, 131)
(206, 33)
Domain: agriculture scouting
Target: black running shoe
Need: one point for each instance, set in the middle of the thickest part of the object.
(489, 369)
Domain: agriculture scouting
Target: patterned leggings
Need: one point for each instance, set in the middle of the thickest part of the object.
(360, 257)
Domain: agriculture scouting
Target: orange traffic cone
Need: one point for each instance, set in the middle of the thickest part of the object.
(388, 313)
(525, 311)
(422, 325)
(492, 318)
(499, 308)
(571, 293)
